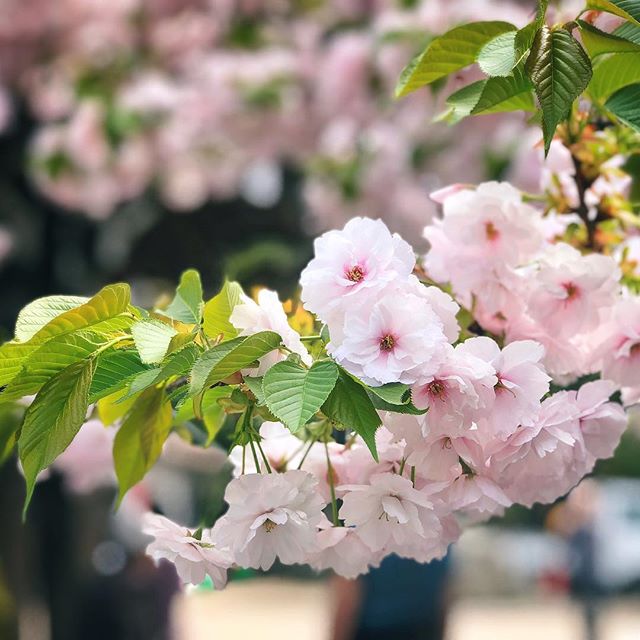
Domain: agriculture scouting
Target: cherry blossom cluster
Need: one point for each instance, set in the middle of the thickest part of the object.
(209, 99)
(485, 428)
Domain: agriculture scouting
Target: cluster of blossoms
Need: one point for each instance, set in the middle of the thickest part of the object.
(209, 99)
(484, 428)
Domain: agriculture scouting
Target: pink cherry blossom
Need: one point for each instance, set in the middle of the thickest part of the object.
(352, 265)
(621, 351)
(461, 386)
(389, 513)
(400, 339)
(522, 381)
(341, 550)
(194, 557)
(270, 515)
(570, 290)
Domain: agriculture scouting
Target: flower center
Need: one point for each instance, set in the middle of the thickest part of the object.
(355, 274)
(491, 232)
(269, 525)
(571, 289)
(387, 342)
(436, 389)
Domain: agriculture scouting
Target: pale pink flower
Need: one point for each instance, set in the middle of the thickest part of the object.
(621, 351)
(194, 558)
(267, 315)
(537, 463)
(389, 513)
(570, 290)
(602, 422)
(400, 339)
(522, 381)
(462, 384)
(270, 515)
(444, 306)
(341, 550)
(352, 265)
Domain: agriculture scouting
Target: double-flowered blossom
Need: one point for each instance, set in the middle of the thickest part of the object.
(269, 516)
(352, 267)
(194, 555)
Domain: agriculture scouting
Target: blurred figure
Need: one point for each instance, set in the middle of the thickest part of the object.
(402, 600)
(575, 520)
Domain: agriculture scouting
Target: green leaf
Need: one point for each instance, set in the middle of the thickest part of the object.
(152, 339)
(227, 358)
(116, 368)
(255, 386)
(393, 392)
(41, 311)
(498, 56)
(295, 394)
(628, 31)
(177, 364)
(625, 105)
(48, 360)
(218, 310)
(53, 420)
(462, 102)
(598, 42)
(350, 406)
(109, 302)
(613, 73)
(138, 443)
(560, 70)
(627, 9)
(524, 39)
(450, 52)
(187, 305)
(11, 416)
(213, 414)
(511, 93)
(108, 311)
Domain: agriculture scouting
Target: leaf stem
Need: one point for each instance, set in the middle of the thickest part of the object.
(264, 457)
(330, 476)
(255, 457)
(306, 453)
(309, 338)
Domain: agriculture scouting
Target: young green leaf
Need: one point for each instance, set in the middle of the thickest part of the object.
(227, 358)
(187, 305)
(111, 301)
(510, 93)
(152, 339)
(393, 393)
(295, 394)
(116, 368)
(218, 310)
(613, 73)
(40, 312)
(598, 42)
(49, 359)
(625, 106)
(560, 70)
(138, 443)
(255, 386)
(498, 56)
(450, 52)
(627, 9)
(350, 406)
(53, 420)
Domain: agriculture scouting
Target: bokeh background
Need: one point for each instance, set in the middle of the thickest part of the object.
(142, 137)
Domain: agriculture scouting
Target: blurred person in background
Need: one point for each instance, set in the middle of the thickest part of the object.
(401, 600)
(574, 519)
